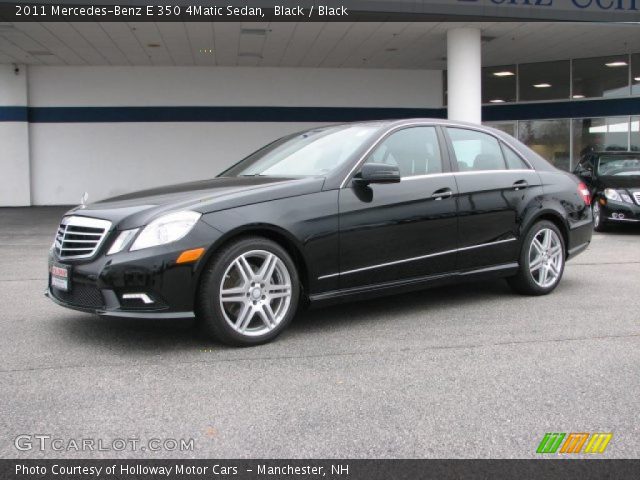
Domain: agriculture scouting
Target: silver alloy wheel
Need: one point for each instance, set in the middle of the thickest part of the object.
(255, 293)
(546, 258)
(596, 214)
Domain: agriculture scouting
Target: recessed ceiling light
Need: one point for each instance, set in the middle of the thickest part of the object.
(578, 96)
(542, 85)
(254, 31)
(249, 55)
(616, 64)
(506, 73)
(206, 50)
(497, 100)
(153, 45)
(637, 79)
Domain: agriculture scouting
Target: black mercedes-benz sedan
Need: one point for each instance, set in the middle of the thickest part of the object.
(613, 179)
(328, 214)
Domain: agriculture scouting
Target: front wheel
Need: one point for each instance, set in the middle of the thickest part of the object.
(598, 220)
(541, 260)
(249, 292)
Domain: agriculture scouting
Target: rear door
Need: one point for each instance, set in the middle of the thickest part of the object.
(495, 187)
(403, 230)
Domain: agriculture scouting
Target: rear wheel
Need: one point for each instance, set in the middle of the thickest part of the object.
(249, 292)
(598, 220)
(541, 260)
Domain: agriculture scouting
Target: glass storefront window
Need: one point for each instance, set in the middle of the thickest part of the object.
(549, 138)
(599, 134)
(601, 77)
(544, 81)
(635, 74)
(499, 84)
(507, 127)
(635, 134)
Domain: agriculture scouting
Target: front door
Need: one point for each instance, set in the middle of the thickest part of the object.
(403, 230)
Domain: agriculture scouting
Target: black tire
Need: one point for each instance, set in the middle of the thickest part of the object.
(599, 223)
(524, 282)
(209, 311)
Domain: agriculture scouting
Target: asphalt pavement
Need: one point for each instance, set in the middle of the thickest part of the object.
(457, 372)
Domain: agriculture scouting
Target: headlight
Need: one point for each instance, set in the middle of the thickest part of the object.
(166, 229)
(612, 194)
(122, 241)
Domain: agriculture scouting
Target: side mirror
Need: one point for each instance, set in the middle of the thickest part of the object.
(378, 173)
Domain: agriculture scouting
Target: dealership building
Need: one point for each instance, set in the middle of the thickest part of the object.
(112, 107)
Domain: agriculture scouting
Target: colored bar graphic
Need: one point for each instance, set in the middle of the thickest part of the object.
(598, 443)
(550, 443)
(574, 443)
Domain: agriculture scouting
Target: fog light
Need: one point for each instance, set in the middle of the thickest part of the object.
(138, 296)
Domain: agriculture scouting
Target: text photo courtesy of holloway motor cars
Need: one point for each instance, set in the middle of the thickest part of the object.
(339, 239)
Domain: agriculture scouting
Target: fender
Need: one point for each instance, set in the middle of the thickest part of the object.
(550, 210)
(274, 232)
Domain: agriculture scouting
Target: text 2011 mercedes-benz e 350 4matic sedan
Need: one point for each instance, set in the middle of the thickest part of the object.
(328, 214)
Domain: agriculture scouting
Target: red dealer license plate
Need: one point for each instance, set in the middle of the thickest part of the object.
(60, 277)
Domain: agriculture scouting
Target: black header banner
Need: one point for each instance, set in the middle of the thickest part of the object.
(318, 11)
(318, 469)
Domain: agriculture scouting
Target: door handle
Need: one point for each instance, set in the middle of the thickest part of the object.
(442, 193)
(520, 184)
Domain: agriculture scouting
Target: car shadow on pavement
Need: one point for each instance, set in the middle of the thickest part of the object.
(630, 229)
(429, 301)
(133, 333)
(153, 336)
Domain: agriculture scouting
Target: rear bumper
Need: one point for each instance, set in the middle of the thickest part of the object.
(579, 237)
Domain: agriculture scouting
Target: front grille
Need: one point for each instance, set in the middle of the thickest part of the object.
(80, 237)
(636, 195)
(81, 295)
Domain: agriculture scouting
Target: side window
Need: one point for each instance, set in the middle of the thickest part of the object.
(514, 162)
(476, 150)
(414, 150)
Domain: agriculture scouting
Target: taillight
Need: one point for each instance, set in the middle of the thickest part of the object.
(583, 191)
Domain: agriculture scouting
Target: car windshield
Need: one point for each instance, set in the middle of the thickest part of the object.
(310, 153)
(616, 165)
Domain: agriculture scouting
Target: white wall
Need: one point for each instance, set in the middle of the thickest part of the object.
(15, 188)
(107, 159)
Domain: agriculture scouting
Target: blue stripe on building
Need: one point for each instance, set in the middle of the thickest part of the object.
(570, 109)
(530, 111)
(13, 114)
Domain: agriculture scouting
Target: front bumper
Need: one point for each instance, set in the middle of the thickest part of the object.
(101, 284)
(117, 311)
(620, 212)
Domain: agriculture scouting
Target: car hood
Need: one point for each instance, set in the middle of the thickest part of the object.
(139, 208)
(619, 181)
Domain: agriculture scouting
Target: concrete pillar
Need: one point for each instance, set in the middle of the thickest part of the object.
(464, 74)
(14, 137)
